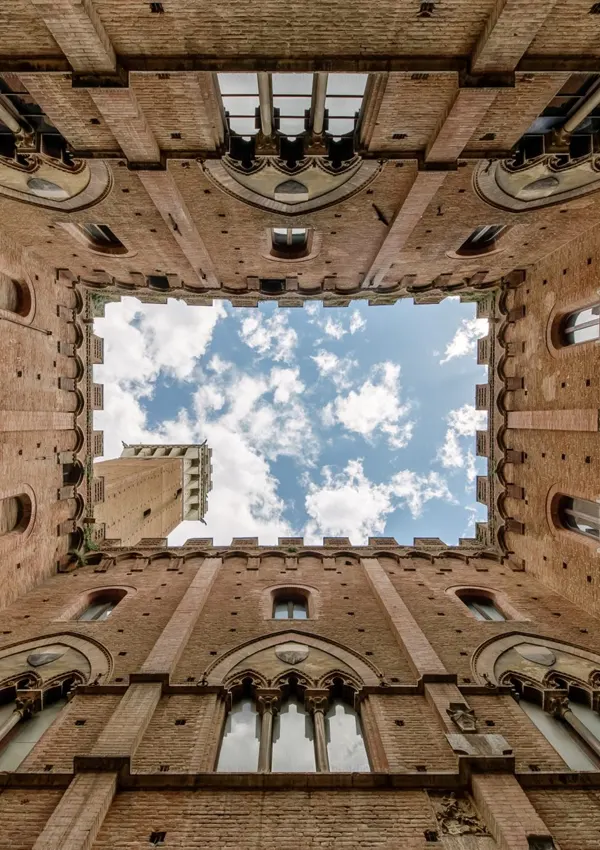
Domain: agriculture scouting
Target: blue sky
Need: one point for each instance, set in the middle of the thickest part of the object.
(349, 421)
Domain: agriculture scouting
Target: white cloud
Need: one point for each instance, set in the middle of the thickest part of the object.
(269, 335)
(462, 422)
(349, 505)
(376, 408)
(287, 383)
(335, 327)
(465, 339)
(335, 368)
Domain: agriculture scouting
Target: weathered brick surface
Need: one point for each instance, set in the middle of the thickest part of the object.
(346, 604)
(508, 33)
(419, 741)
(573, 816)
(74, 823)
(229, 820)
(78, 31)
(564, 380)
(23, 815)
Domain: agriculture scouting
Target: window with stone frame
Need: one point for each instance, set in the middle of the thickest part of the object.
(579, 515)
(580, 326)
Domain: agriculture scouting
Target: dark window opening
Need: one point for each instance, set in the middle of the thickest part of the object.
(272, 286)
(102, 605)
(481, 606)
(482, 240)
(147, 512)
(100, 237)
(160, 282)
(289, 243)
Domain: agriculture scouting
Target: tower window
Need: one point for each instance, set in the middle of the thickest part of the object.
(481, 606)
(289, 243)
(581, 326)
(482, 240)
(292, 607)
(101, 605)
(14, 296)
(97, 237)
(579, 515)
(15, 513)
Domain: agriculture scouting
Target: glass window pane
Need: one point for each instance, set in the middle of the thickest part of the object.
(241, 739)
(243, 126)
(291, 126)
(340, 126)
(345, 745)
(343, 106)
(291, 105)
(292, 84)
(588, 717)
(293, 739)
(97, 611)
(240, 105)
(489, 610)
(564, 741)
(238, 83)
(28, 733)
(585, 334)
(353, 84)
(299, 611)
(474, 609)
(280, 612)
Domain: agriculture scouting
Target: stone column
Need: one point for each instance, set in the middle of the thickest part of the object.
(316, 701)
(268, 701)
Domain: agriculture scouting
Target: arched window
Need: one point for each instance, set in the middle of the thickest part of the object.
(15, 296)
(481, 606)
(571, 748)
(580, 326)
(345, 745)
(97, 237)
(102, 604)
(296, 731)
(290, 607)
(482, 240)
(241, 738)
(579, 515)
(15, 513)
(289, 243)
(24, 724)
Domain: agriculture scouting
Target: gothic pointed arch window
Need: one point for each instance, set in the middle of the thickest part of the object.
(292, 728)
(25, 717)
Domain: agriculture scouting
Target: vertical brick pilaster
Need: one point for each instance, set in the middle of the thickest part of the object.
(168, 200)
(129, 721)
(463, 118)
(124, 116)
(168, 648)
(508, 32)
(509, 815)
(421, 655)
(75, 822)
(555, 420)
(422, 192)
(79, 32)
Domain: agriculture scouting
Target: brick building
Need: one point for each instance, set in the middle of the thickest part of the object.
(414, 149)
(149, 490)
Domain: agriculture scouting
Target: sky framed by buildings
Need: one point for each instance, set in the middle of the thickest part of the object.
(348, 422)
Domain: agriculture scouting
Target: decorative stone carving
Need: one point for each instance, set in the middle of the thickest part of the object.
(536, 653)
(292, 653)
(316, 699)
(456, 814)
(268, 700)
(38, 659)
(556, 703)
(462, 716)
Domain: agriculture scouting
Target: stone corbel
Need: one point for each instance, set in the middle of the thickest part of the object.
(462, 716)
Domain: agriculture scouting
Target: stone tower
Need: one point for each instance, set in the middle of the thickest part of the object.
(149, 490)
